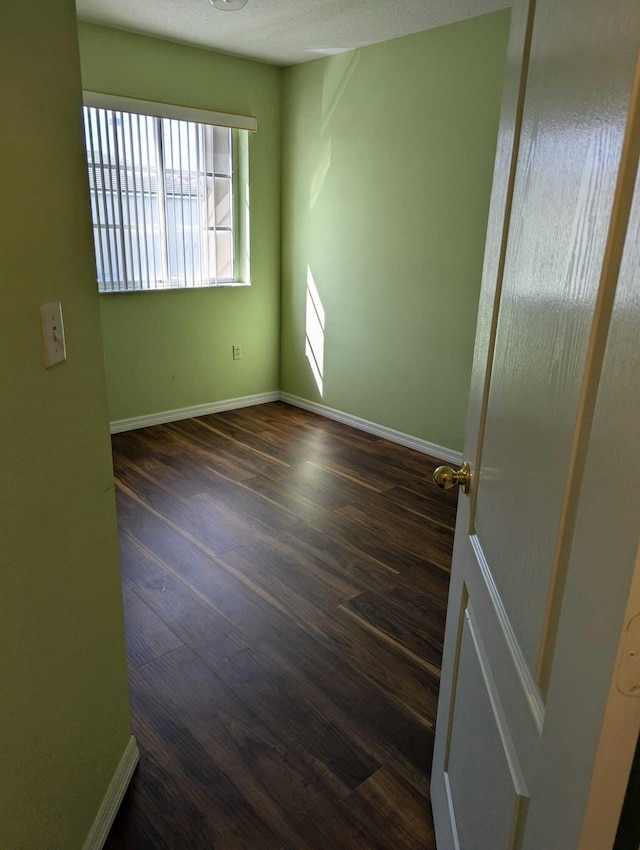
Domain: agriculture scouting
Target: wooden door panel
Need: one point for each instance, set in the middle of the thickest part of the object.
(487, 814)
(514, 682)
(472, 578)
(528, 428)
(592, 721)
(517, 712)
(567, 171)
(504, 173)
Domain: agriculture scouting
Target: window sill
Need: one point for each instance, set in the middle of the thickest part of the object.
(230, 284)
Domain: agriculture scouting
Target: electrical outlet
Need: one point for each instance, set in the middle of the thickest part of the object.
(237, 352)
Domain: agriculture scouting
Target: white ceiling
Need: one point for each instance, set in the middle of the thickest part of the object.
(282, 32)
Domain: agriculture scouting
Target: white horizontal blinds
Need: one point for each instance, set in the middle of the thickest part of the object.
(162, 201)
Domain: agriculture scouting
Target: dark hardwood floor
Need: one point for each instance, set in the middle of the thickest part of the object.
(285, 585)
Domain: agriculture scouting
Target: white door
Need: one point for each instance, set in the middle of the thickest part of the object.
(536, 724)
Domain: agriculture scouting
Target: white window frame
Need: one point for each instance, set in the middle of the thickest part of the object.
(240, 225)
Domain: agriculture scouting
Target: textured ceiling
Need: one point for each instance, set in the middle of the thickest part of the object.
(282, 32)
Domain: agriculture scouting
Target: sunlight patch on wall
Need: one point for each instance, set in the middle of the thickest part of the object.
(320, 173)
(337, 73)
(314, 346)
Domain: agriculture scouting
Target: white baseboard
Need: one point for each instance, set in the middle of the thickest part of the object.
(118, 425)
(424, 446)
(111, 803)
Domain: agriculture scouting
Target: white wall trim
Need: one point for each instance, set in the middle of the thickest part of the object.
(118, 425)
(169, 110)
(424, 446)
(111, 803)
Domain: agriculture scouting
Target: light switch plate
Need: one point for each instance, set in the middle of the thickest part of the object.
(55, 350)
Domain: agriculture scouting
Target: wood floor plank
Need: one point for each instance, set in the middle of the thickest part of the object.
(395, 464)
(136, 826)
(144, 443)
(184, 782)
(275, 434)
(256, 618)
(369, 540)
(181, 700)
(320, 485)
(430, 505)
(290, 712)
(278, 493)
(193, 619)
(392, 458)
(147, 636)
(180, 443)
(137, 565)
(421, 536)
(210, 526)
(284, 424)
(187, 478)
(396, 808)
(240, 461)
(247, 529)
(278, 566)
(386, 729)
(285, 581)
(346, 464)
(172, 473)
(288, 439)
(415, 624)
(408, 680)
(244, 438)
(373, 540)
(362, 572)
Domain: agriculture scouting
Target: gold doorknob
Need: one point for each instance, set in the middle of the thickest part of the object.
(446, 477)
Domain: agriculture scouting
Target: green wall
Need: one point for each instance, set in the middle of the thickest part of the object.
(167, 350)
(387, 165)
(64, 717)
(387, 156)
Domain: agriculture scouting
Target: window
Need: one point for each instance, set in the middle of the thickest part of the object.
(165, 199)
